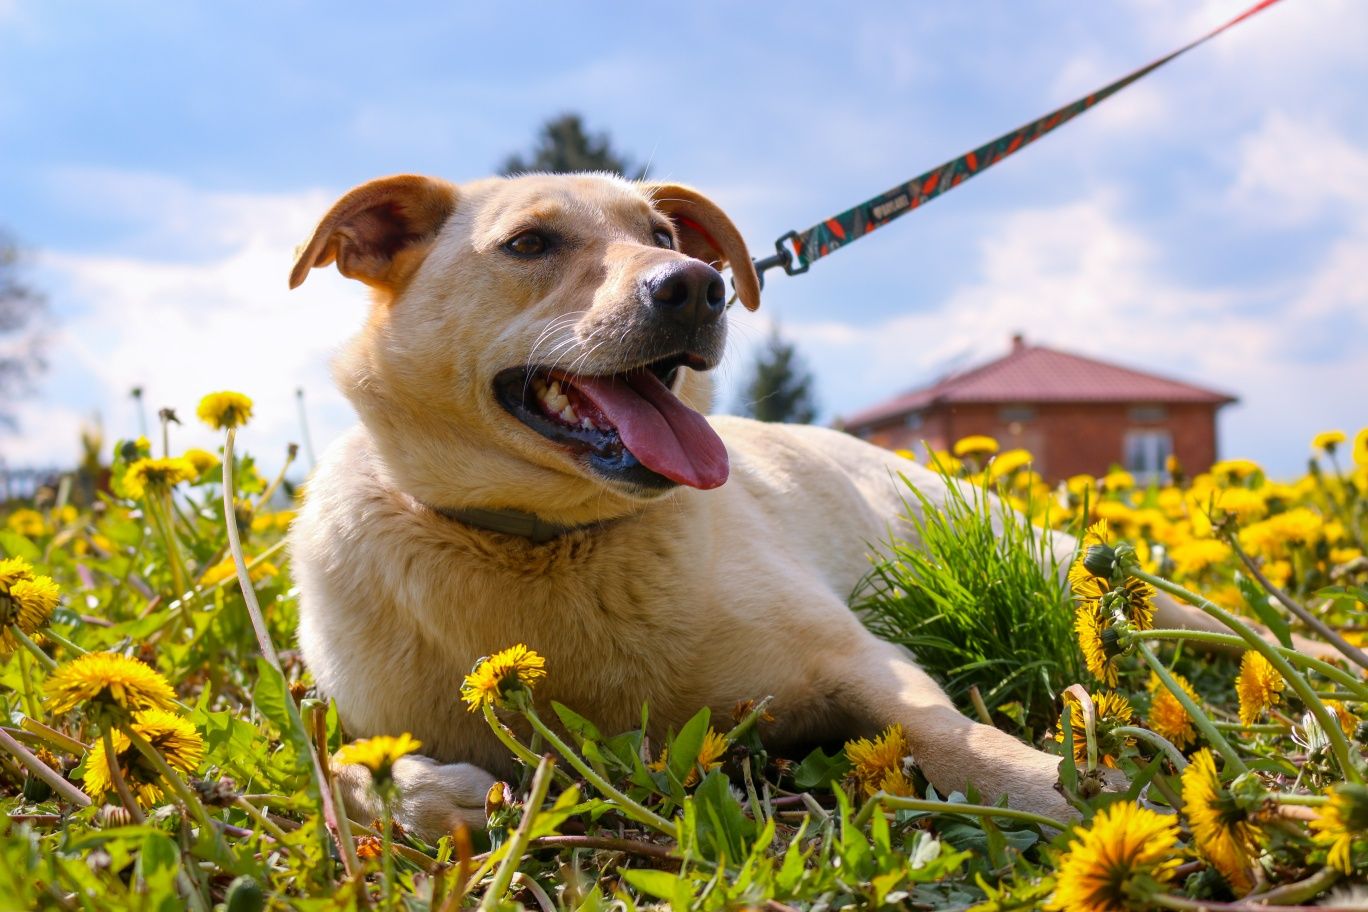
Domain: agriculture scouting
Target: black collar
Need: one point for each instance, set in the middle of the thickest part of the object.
(511, 522)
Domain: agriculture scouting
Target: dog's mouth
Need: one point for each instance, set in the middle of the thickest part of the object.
(629, 426)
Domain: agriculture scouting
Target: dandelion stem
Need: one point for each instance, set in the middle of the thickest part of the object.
(898, 802)
(1199, 718)
(263, 821)
(64, 642)
(1325, 669)
(517, 844)
(387, 845)
(43, 771)
(172, 778)
(1299, 800)
(631, 808)
(116, 776)
(280, 476)
(26, 680)
(1156, 739)
(43, 658)
(263, 634)
(1283, 899)
(1353, 653)
(1338, 744)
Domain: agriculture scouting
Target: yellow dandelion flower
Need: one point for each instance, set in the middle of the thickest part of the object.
(1007, 462)
(975, 445)
(110, 686)
(1259, 685)
(896, 782)
(496, 677)
(1118, 480)
(1327, 441)
(1348, 722)
(13, 569)
(159, 474)
(1242, 503)
(226, 569)
(1078, 485)
(378, 754)
(1108, 866)
(1167, 717)
(26, 522)
(1220, 827)
(225, 410)
(1360, 451)
(1110, 710)
(874, 760)
(710, 754)
(34, 600)
(1236, 469)
(175, 738)
(1341, 823)
(1101, 661)
(202, 460)
(1196, 555)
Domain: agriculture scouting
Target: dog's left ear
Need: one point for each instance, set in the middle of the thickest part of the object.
(379, 232)
(705, 233)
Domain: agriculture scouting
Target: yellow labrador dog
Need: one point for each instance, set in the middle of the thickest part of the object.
(533, 466)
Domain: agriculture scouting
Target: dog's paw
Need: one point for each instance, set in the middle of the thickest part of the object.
(434, 798)
(437, 798)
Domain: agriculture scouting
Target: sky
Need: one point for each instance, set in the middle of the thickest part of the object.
(160, 161)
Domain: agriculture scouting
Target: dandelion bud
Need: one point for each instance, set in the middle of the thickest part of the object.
(1099, 560)
(114, 815)
(497, 798)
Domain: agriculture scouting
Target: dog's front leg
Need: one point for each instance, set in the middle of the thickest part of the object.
(885, 687)
(434, 798)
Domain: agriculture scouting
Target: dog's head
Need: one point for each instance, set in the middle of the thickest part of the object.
(535, 342)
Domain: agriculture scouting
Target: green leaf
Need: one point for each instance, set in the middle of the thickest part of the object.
(576, 724)
(818, 770)
(271, 697)
(660, 884)
(1261, 603)
(16, 545)
(686, 745)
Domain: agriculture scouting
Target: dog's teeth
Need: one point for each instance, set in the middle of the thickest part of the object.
(555, 389)
(587, 424)
(568, 415)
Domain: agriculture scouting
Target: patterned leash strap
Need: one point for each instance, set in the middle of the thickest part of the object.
(795, 251)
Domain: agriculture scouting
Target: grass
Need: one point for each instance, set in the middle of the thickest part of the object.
(975, 592)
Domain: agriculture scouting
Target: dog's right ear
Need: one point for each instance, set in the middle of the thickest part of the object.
(379, 232)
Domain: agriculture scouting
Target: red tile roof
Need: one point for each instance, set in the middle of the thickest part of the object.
(1036, 374)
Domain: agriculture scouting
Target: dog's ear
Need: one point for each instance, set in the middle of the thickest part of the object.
(705, 233)
(379, 232)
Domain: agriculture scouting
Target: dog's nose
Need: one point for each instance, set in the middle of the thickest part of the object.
(687, 292)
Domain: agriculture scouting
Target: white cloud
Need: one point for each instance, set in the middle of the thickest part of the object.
(180, 329)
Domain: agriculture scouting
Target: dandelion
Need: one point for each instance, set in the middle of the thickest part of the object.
(1220, 827)
(1099, 658)
(1258, 686)
(158, 474)
(175, 738)
(878, 763)
(225, 410)
(1109, 711)
(710, 754)
(496, 678)
(1118, 480)
(1235, 469)
(1195, 555)
(1008, 462)
(1167, 717)
(226, 568)
(26, 522)
(1360, 451)
(1348, 722)
(1117, 862)
(1241, 503)
(1135, 598)
(378, 754)
(1340, 823)
(975, 445)
(111, 686)
(202, 460)
(26, 601)
(1327, 441)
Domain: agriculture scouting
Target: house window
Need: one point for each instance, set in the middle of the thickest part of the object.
(1016, 414)
(1146, 453)
(913, 420)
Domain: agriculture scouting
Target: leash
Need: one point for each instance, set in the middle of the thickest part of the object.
(796, 251)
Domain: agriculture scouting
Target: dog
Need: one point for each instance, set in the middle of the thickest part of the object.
(533, 465)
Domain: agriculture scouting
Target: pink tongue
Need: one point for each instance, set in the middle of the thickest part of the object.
(664, 434)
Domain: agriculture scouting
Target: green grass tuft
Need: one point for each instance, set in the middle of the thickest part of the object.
(976, 594)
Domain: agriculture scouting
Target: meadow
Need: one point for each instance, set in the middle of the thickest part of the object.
(163, 747)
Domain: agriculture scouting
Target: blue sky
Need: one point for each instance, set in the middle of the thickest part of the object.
(160, 161)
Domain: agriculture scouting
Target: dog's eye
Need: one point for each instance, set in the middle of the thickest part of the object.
(663, 239)
(528, 244)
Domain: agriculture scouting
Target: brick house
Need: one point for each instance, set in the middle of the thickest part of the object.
(1075, 414)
